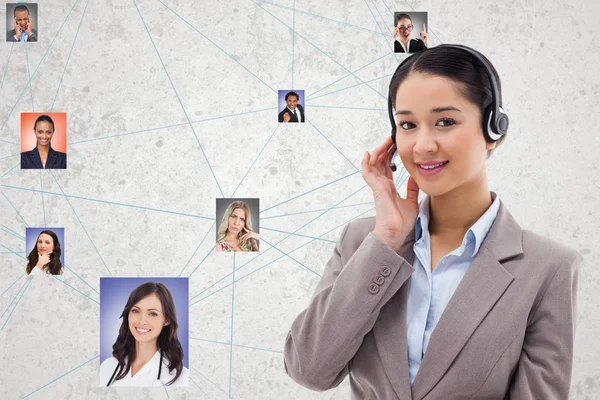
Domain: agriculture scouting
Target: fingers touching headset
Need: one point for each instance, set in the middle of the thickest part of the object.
(395, 216)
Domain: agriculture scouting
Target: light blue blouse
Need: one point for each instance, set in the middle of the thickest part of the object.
(430, 292)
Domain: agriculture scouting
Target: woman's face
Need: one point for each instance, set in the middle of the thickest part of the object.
(405, 27)
(237, 220)
(45, 244)
(436, 123)
(43, 133)
(146, 319)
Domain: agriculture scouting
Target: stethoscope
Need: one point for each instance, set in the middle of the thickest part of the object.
(156, 383)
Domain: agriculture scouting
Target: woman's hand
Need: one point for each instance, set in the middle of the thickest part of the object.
(424, 36)
(43, 259)
(395, 216)
(249, 235)
(396, 33)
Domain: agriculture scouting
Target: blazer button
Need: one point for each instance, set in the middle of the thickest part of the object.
(373, 288)
(379, 279)
(386, 271)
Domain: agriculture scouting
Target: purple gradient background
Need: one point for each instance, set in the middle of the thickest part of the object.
(31, 235)
(114, 293)
(281, 104)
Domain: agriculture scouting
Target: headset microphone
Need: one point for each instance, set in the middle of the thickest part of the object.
(393, 152)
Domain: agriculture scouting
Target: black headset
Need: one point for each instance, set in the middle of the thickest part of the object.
(495, 120)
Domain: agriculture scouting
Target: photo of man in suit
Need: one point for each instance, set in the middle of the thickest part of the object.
(23, 30)
(293, 112)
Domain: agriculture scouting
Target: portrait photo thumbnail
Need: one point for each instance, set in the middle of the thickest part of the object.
(43, 140)
(45, 250)
(144, 331)
(290, 106)
(238, 225)
(410, 31)
(22, 22)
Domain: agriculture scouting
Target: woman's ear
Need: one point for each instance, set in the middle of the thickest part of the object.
(490, 146)
(167, 323)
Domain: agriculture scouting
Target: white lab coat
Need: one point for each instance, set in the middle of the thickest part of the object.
(146, 376)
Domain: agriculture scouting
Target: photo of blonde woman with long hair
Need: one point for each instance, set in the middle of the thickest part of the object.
(235, 232)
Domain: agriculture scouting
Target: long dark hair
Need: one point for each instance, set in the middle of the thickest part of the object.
(168, 343)
(54, 267)
(458, 66)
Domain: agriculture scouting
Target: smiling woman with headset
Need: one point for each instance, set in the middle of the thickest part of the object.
(449, 298)
(147, 351)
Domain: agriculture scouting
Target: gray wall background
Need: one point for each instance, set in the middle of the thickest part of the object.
(172, 104)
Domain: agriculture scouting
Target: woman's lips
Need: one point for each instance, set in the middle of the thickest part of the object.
(142, 331)
(432, 171)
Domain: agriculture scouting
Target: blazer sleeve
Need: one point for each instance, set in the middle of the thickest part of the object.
(62, 161)
(544, 368)
(325, 337)
(25, 161)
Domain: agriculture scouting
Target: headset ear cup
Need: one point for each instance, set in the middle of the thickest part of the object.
(494, 127)
(502, 122)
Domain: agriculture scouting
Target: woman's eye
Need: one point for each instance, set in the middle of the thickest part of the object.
(154, 314)
(134, 311)
(406, 125)
(446, 122)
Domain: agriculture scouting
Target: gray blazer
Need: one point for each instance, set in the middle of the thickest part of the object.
(507, 332)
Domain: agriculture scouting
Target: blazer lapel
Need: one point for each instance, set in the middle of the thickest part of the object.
(36, 159)
(483, 284)
(390, 329)
(52, 158)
